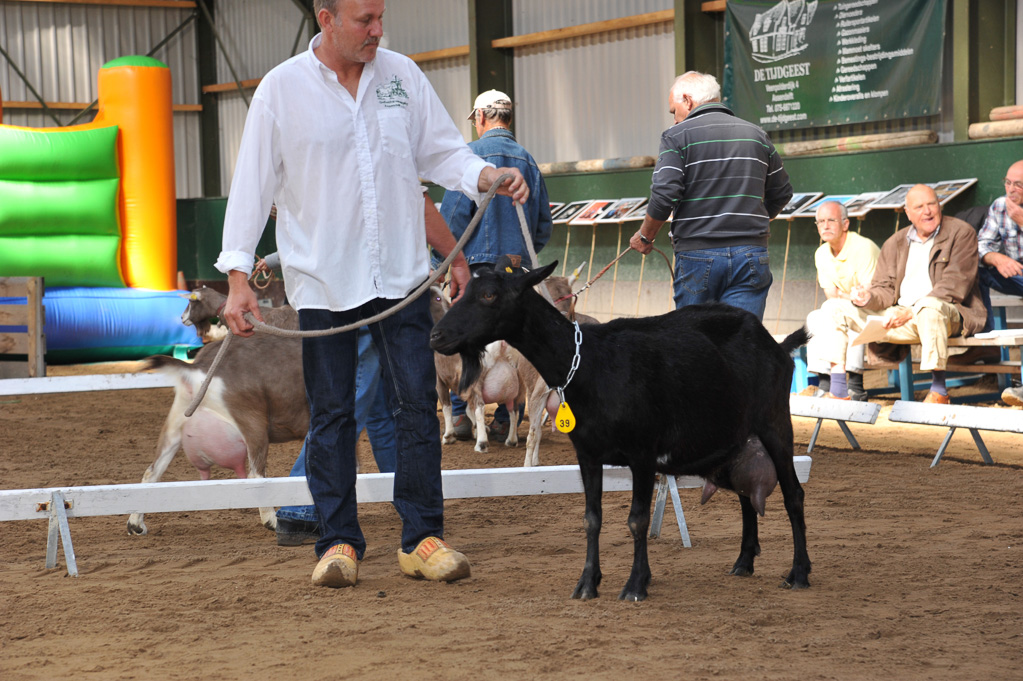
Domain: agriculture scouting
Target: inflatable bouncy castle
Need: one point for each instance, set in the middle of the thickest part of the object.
(91, 208)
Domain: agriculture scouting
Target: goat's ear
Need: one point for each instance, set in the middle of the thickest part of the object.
(534, 277)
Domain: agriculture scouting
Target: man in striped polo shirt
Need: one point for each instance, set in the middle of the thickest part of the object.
(721, 181)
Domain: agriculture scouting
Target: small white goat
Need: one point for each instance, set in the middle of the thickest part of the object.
(449, 369)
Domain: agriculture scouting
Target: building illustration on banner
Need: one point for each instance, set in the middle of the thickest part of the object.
(780, 32)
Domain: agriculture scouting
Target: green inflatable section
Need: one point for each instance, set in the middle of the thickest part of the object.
(58, 206)
(134, 60)
(52, 156)
(38, 208)
(65, 260)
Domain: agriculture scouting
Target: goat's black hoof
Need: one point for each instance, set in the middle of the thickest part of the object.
(585, 592)
(793, 582)
(634, 596)
(741, 570)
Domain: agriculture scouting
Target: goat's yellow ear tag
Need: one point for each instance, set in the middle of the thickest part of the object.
(565, 420)
(508, 270)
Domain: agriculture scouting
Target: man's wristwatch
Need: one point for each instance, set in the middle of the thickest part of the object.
(645, 240)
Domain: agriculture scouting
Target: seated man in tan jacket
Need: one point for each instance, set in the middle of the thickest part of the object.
(925, 286)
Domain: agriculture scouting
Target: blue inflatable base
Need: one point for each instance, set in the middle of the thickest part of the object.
(93, 324)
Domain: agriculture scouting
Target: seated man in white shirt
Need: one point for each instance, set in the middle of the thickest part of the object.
(844, 261)
(925, 286)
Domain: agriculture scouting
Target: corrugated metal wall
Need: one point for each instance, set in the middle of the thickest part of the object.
(259, 34)
(413, 26)
(60, 48)
(600, 96)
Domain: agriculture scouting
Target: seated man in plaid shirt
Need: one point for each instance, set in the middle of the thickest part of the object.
(1000, 245)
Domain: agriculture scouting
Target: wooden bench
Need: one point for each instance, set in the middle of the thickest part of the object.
(954, 416)
(1000, 304)
(1007, 368)
(32, 341)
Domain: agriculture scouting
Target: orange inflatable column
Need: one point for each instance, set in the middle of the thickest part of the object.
(135, 95)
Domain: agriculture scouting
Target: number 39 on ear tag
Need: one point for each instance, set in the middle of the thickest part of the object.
(565, 420)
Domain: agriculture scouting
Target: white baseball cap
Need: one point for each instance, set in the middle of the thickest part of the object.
(491, 99)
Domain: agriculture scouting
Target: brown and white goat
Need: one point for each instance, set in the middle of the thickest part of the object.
(256, 397)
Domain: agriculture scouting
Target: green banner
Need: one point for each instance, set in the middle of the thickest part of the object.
(798, 64)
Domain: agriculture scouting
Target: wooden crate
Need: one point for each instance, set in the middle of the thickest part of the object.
(31, 315)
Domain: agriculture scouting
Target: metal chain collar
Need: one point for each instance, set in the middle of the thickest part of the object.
(575, 362)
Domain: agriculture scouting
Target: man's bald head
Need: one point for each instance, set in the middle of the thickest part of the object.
(1014, 183)
(923, 210)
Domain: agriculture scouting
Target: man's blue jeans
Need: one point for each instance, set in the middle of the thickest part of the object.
(739, 276)
(371, 413)
(991, 279)
(409, 384)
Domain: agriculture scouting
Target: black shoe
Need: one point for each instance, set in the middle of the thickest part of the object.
(858, 395)
(463, 428)
(296, 532)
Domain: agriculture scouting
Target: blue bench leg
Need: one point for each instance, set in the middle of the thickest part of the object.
(906, 378)
(1001, 322)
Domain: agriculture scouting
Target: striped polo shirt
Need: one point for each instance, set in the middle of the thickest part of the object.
(720, 178)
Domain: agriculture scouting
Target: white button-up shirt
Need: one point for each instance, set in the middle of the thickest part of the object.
(345, 175)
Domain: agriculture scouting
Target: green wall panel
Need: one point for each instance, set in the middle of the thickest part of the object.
(200, 229)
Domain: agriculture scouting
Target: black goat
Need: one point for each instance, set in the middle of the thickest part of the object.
(685, 393)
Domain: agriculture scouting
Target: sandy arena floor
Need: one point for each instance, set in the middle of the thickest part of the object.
(916, 573)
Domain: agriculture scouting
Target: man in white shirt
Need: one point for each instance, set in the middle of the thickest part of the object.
(338, 137)
(925, 287)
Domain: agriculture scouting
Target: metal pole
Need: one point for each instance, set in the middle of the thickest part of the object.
(151, 52)
(298, 36)
(31, 89)
(220, 43)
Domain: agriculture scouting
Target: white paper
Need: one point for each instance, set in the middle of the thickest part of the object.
(873, 332)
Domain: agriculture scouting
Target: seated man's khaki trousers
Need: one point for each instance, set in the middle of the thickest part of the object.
(933, 322)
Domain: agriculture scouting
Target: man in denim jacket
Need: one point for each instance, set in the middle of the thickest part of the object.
(499, 232)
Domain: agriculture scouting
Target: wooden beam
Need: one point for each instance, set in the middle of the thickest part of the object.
(418, 57)
(78, 106)
(434, 55)
(593, 28)
(227, 87)
(166, 4)
(713, 6)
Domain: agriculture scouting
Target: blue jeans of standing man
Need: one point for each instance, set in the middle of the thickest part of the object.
(991, 279)
(371, 413)
(409, 384)
(739, 276)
